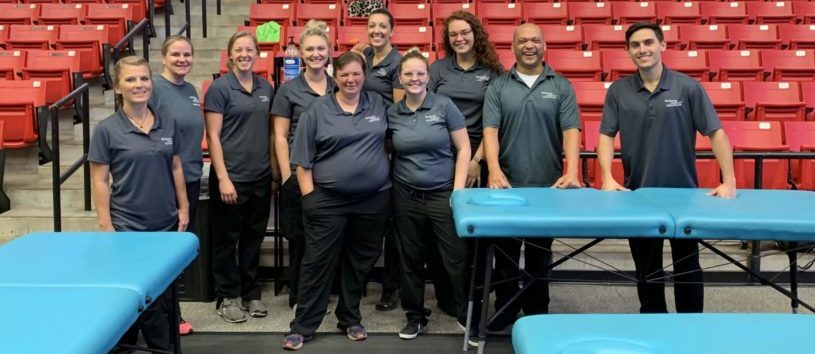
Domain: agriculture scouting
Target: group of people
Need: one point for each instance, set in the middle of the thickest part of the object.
(377, 150)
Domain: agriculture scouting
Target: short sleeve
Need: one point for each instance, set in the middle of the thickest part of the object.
(216, 98)
(492, 106)
(435, 77)
(99, 151)
(455, 120)
(281, 106)
(705, 119)
(177, 139)
(304, 147)
(610, 123)
(395, 83)
(569, 115)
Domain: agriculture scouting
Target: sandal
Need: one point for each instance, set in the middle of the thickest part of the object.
(294, 341)
(356, 333)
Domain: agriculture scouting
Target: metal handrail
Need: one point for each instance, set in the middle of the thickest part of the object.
(127, 40)
(81, 97)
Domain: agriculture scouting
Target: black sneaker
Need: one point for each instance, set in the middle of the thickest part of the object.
(411, 330)
(388, 301)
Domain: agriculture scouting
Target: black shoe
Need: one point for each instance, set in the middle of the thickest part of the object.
(388, 301)
(447, 309)
(501, 323)
(411, 330)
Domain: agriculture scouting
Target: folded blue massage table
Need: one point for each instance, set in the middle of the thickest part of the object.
(718, 333)
(142, 265)
(648, 212)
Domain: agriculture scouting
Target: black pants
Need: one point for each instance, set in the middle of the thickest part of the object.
(339, 231)
(688, 288)
(413, 212)
(241, 226)
(537, 256)
(291, 224)
(390, 273)
(193, 193)
(154, 324)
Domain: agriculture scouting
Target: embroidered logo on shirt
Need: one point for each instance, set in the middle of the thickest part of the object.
(482, 78)
(673, 103)
(548, 95)
(382, 72)
(264, 98)
(372, 119)
(167, 141)
(195, 101)
(432, 118)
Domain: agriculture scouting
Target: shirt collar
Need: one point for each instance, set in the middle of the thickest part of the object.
(665, 80)
(128, 127)
(330, 84)
(546, 73)
(455, 66)
(362, 106)
(369, 57)
(427, 104)
(236, 85)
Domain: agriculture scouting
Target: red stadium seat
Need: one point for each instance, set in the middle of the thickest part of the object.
(115, 16)
(295, 31)
(414, 36)
(800, 136)
(704, 36)
(4, 30)
(726, 98)
(589, 12)
(138, 8)
(779, 101)
(671, 33)
(492, 13)
(61, 14)
(32, 37)
(273, 47)
(11, 64)
(808, 95)
(771, 12)
(735, 65)
(617, 64)
(548, 13)
(347, 36)
(679, 12)
(349, 20)
(576, 65)
(804, 11)
(754, 36)
(54, 68)
(724, 12)
(502, 35)
(604, 36)
(276, 2)
(19, 101)
(762, 137)
(630, 12)
(797, 36)
(590, 97)
(507, 58)
(441, 10)
(264, 66)
(562, 37)
(591, 136)
(785, 65)
(410, 14)
(284, 14)
(90, 41)
(691, 62)
(707, 170)
(18, 14)
(330, 13)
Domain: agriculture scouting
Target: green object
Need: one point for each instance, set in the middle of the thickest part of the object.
(268, 32)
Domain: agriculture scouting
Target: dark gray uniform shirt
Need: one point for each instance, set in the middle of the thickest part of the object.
(142, 194)
(658, 131)
(245, 131)
(345, 151)
(180, 103)
(383, 77)
(423, 155)
(466, 88)
(530, 123)
(294, 97)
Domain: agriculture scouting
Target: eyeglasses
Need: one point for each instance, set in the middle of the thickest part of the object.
(463, 33)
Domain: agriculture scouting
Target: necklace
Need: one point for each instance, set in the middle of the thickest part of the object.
(138, 123)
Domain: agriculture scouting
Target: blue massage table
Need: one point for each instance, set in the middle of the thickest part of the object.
(50, 272)
(663, 334)
(649, 212)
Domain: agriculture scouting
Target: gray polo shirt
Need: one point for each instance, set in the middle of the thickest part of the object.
(658, 131)
(422, 151)
(180, 103)
(383, 77)
(345, 151)
(245, 131)
(530, 123)
(294, 97)
(466, 88)
(142, 194)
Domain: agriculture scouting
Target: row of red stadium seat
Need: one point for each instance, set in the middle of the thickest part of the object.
(666, 12)
(88, 41)
(115, 16)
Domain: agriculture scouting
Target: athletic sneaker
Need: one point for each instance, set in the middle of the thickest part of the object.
(356, 333)
(230, 311)
(411, 330)
(255, 308)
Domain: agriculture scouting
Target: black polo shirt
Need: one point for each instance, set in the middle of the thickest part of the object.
(294, 97)
(142, 194)
(422, 151)
(180, 103)
(466, 88)
(658, 130)
(245, 131)
(530, 123)
(382, 78)
(345, 151)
